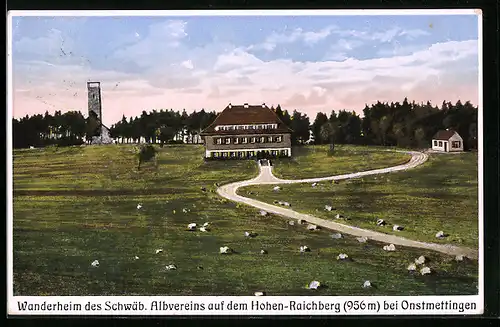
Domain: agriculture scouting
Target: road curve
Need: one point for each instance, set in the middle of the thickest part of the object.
(266, 176)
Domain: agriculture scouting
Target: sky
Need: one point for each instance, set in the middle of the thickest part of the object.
(310, 63)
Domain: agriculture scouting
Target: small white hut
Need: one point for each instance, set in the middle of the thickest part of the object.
(447, 141)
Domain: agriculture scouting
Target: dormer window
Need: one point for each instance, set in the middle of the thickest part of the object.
(228, 140)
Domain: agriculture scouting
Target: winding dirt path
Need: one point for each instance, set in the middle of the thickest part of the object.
(266, 176)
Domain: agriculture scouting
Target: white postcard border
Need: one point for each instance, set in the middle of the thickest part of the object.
(344, 301)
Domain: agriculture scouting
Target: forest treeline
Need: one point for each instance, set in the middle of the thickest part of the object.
(405, 124)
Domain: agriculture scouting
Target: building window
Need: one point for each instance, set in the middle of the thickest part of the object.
(218, 140)
(252, 140)
(435, 143)
(236, 140)
(262, 139)
(270, 139)
(440, 143)
(279, 139)
(244, 140)
(228, 140)
(455, 144)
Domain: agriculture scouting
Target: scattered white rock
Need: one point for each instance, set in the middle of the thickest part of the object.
(263, 252)
(250, 234)
(362, 239)
(342, 256)
(412, 267)
(281, 203)
(259, 294)
(381, 222)
(203, 229)
(32, 147)
(425, 271)
(276, 188)
(136, 258)
(420, 260)
(185, 210)
(460, 257)
(397, 228)
(389, 247)
(328, 208)
(312, 227)
(192, 226)
(263, 213)
(173, 211)
(206, 224)
(314, 184)
(336, 236)
(338, 216)
(225, 250)
(171, 267)
(305, 248)
(440, 234)
(301, 221)
(291, 223)
(159, 251)
(314, 285)
(139, 206)
(286, 204)
(367, 284)
(95, 263)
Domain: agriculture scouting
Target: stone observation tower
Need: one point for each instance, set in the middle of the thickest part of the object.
(95, 104)
(95, 110)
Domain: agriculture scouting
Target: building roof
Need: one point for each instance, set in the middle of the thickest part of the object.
(444, 135)
(247, 115)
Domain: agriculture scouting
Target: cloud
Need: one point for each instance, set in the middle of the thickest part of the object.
(384, 36)
(160, 69)
(163, 37)
(298, 34)
(316, 96)
(356, 37)
(413, 34)
(187, 64)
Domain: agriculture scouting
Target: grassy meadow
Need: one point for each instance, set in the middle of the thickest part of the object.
(441, 194)
(78, 204)
(315, 161)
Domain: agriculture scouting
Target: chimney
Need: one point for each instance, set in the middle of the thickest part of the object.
(263, 105)
(229, 106)
(245, 105)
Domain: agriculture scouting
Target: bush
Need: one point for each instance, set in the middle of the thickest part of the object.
(146, 153)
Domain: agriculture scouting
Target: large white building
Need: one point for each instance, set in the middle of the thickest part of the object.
(247, 131)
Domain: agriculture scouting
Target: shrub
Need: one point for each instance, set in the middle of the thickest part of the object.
(146, 153)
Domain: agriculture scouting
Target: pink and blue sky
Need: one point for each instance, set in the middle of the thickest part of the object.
(310, 63)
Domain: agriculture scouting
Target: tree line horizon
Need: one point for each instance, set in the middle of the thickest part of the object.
(404, 124)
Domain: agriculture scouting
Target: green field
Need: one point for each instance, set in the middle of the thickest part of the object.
(75, 205)
(442, 194)
(315, 161)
